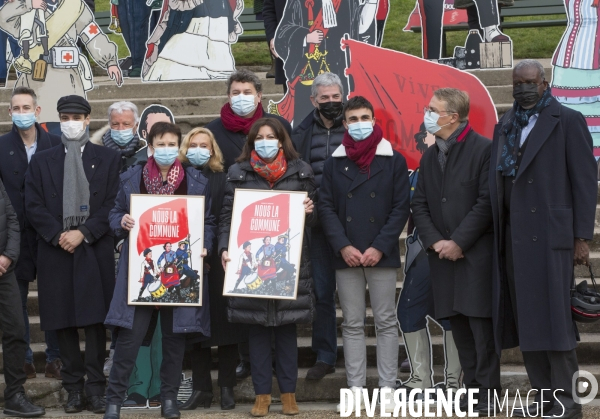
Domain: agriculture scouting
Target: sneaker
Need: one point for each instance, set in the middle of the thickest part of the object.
(20, 406)
(389, 399)
(357, 393)
(109, 363)
(319, 370)
(53, 369)
(29, 370)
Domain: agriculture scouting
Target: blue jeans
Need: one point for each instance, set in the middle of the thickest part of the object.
(14, 47)
(52, 351)
(134, 18)
(324, 338)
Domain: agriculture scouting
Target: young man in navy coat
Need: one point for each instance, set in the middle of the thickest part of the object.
(16, 149)
(69, 191)
(363, 207)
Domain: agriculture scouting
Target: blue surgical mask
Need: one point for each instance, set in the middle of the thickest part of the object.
(431, 122)
(266, 149)
(360, 130)
(242, 105)
(165, 156)
(23, 120)
(198, 156)
(121, 137)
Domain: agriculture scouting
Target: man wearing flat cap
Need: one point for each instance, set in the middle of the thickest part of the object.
(69, 191)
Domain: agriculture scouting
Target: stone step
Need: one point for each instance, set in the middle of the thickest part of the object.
(49, 393)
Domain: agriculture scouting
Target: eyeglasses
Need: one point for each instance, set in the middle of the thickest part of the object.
(428, 112)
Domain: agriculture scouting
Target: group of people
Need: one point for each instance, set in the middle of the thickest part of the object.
(484, 210)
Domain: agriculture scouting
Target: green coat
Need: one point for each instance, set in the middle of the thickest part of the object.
(463, 4)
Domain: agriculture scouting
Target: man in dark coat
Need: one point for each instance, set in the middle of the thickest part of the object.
(451, 210)
(16, 149)
(543, 193)
(316, 138)
(69, 191)
(11, 318)
(238, 115)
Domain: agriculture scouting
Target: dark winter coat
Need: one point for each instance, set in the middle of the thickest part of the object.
(231, 143)
(223, 332)
(9, 229)
(463, 4)
(316, 143)
(553, 201)
(13, 165)
(66, 300)
(185, 319)
(272, 11)
(263, 311)
(365, 209)
(455, 205)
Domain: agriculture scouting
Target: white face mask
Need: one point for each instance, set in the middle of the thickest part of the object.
(72, 129)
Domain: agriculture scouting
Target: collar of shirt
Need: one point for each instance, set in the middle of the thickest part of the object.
(30, 151)
(526, 130)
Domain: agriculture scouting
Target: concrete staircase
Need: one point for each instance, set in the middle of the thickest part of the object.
(194, 104)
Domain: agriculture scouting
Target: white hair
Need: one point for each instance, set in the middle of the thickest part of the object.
(326, 80)
(528, 63)
(120, 107)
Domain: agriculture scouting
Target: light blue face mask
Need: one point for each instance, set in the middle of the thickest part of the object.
(360, 130)
(198, 156)
(165, 156)
(242, 105)
(23, 120)
(266, 149)
(122, 137)
(430, 120)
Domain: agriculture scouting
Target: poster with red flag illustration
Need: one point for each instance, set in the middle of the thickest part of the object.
(400, 90)
(165, 252)
(265, 244)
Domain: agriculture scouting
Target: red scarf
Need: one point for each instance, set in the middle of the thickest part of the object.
(362, 152)
(273, 171)
(154, 182)
(235, 123)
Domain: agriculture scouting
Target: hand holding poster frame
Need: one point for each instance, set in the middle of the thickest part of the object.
(265, 244)
(165, 250)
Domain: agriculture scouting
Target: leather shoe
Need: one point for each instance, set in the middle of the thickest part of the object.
(227, 400)
(319, 370)
(96, 404)
(560, 412)
(113, 411)
(197, 398)
(75, 402)
(53, 369)
(19, 405)
(29, 370)
(243, 370)
(169, 409)
(405, 366)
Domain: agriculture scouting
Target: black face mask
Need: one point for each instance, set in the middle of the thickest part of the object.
(331, 110)
(526, 94)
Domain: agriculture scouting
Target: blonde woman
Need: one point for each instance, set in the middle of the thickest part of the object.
(200, 150)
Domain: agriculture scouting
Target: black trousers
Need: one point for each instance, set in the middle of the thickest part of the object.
(549, 370)
(474, 338)
(128, 344)
(286, 357)
(13, 334)
(75, 368)
(202, 362)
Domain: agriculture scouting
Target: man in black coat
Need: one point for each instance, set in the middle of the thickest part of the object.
(543, 193)
(69, 191)
(451, 210)
(16, 149)
(316, 138)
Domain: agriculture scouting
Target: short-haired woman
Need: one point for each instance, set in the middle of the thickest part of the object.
(269, 162)
(163, 174)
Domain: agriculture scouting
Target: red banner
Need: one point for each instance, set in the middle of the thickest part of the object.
(267, 217)
(403, 87)
(163, 223)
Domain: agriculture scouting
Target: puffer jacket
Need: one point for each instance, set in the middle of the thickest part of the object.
(10, 233)
(264, 311)
(463, 4)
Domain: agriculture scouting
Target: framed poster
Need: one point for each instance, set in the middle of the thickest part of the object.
(165, 250)
(265, 244)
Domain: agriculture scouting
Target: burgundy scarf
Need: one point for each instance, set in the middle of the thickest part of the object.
(235, 123)
(362, 152)
(154, 182)
(273, 171)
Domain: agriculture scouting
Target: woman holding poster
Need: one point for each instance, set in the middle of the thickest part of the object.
(163, 174)
(269, 162)
(200, 149)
